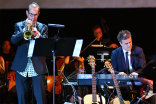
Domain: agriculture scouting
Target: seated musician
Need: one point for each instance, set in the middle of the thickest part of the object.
(97, 31)
(71, 70)
(2, 71)
(63, 65)
(127, 59)
(61, 61)
(146, 77)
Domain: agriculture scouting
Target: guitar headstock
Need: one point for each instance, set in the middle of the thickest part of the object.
(91, 60)
(108, 65)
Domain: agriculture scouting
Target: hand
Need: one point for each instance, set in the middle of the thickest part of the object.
(122, 73)
(150, 83)
(80, 58)
(35, 31)
(134, 73)
(28, 23)
(66, 60)
(113, 45)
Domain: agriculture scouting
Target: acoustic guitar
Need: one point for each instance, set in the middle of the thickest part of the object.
(119, 99)
(95, 97)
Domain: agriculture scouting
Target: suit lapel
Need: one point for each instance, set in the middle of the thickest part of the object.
(37, 26)
(23, 24)
(132, 55)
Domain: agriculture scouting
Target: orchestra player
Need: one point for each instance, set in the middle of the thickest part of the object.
(2, 71)
(146, 76)
(127, 59)
(97, 31)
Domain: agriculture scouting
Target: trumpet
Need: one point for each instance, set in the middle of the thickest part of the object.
(27, 35)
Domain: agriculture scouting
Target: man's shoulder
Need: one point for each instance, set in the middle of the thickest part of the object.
(20, 23)
(152, 62)
(117, 49)
(40, 24)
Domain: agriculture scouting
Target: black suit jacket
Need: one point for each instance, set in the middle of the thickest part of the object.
(21, 59)
(137, 59)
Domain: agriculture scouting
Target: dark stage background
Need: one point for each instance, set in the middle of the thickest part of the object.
(79, 22)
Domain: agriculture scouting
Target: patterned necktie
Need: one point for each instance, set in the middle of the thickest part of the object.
(127, 63)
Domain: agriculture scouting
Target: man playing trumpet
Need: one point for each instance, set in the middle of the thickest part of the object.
(29, 67)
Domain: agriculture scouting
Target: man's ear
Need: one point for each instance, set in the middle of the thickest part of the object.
(120, 43)
(27, 13)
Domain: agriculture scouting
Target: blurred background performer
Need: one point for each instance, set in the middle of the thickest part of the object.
(2, 79)
(27, 68)
(61, 61)
(146, 76)
(8, 55)
(97, 31)
(2, 71)
(71, 70)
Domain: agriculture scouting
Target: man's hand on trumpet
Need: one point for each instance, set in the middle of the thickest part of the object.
(28, 23)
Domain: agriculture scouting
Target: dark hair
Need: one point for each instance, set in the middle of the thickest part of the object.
(34, 4)
(96, 27)
(123, 35)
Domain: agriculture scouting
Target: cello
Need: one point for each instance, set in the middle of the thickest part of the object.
(10, 77)
(59, 78)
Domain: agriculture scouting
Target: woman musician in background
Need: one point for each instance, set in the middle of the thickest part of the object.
(70, 69)
(74, 67)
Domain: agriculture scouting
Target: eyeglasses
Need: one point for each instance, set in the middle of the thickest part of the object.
(35, 15)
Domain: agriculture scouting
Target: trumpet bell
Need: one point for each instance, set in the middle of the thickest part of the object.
(27, 35)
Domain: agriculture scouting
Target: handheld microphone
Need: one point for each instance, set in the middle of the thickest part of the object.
(56, 25)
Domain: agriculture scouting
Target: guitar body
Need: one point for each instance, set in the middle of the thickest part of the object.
(116, 101)
(146, 92)
(93, 98)
(88, 99)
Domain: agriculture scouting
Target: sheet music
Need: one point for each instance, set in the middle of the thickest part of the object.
(77, 48)
(31, 48)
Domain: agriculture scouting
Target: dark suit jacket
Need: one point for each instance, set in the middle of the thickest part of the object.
(137, 59)
(21, 59)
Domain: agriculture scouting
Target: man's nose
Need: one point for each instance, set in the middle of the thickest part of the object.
(128, 45)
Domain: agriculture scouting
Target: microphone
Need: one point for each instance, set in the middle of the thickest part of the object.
(102, 70)
(56, 25)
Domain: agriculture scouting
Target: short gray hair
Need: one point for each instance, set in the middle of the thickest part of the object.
(34, 4)
(123, 35)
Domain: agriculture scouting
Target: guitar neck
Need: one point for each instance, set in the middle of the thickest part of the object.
(92, 64)
(117, 88)
(94, 99)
